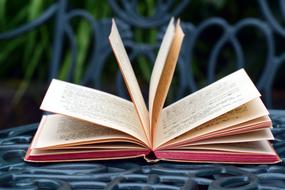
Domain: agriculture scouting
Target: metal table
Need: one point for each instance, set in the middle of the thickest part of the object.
(133, 173)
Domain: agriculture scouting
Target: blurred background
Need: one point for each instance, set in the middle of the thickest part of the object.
(26, 57)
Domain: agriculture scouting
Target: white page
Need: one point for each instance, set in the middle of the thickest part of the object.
(93, 106)
(263, 134)
(129, 77)
(159, 65)
(261, 147)
(208, 103)
(244, 115)
(56, 130)
(165, 77)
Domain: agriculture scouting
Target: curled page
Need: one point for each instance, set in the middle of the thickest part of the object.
(129, 78)
(163, 72)
(208, 103)
(159, 65)
(250, 114)
(93, 106)
(60, 131)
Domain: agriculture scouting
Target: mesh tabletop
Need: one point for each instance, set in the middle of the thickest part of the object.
(134, 173)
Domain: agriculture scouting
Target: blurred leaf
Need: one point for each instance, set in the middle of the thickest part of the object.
(2, 12)
(5, 56)
(150, 11)
(142, 63)
(46, 44)
(33, 50)
(19, 17)
(150, 7)
(83, 41)
(152, 36)
(65, 67)
(145, 68)
(35, 8)
(99, 9)
(14, 44)
(28, 74)
(9, 47)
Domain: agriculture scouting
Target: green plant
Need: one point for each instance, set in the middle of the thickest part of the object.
(33, 49)
(25, 47)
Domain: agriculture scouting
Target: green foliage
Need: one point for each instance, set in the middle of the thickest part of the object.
(2, 11)
(99, 9)
(25, 59)
(34, 48)
(26, 47)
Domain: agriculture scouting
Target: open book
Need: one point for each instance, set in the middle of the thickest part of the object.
(225, 122)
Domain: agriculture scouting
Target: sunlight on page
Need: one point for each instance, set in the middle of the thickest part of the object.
(208, 103)
(129, 77)
(93, 106)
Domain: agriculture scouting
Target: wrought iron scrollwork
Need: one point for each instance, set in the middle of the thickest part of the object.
(128, 18)
(134, 173)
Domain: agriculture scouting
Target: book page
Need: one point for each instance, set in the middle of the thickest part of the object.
(262, 147)
(163, 74)
(263, 134)
(68, 155)
(99, 151)
(106, 146)
(252, 125)
(93, 106)
(204, 105)
(129, 78)
(245, 127)
(159, 65)
(57, 130)
(240, 117)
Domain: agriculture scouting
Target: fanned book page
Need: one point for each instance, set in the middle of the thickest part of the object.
(225, 122)
(164, 75)
(130, 78)
(93, 106)
(59, 131)
(208, 103)
(157, 72)
(249, 116)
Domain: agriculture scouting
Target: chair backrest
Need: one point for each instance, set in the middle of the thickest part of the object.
(211, 48)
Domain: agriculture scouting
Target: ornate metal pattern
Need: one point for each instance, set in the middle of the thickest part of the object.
(134, 173)
(128, 18)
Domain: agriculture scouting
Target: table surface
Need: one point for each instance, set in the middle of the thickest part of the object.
(134, 173)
